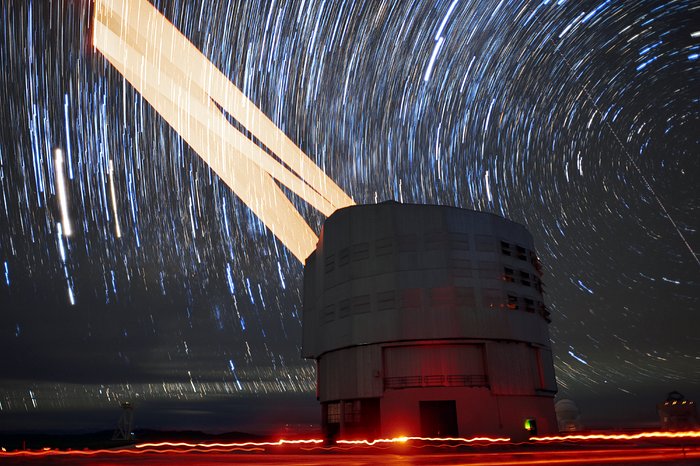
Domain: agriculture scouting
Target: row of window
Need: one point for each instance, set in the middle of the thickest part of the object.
(521, 253)
(514, 250)
(352, 412)
(445, 298)
(437, 241)
(485, 270)
(528, 305)
(333, 413)
(452, 380)
(523, 277)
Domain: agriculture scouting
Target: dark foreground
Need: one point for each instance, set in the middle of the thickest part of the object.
(640, 457)
(640, 453)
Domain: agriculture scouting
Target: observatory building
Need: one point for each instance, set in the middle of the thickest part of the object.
(429, 321)
(677, 413)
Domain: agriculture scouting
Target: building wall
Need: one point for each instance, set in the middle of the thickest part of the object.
(396, 294)
(350, 373)
(479, 412)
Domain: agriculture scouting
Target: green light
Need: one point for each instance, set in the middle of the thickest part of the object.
(529, 425)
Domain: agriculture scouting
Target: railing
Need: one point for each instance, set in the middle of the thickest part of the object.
(457, 380)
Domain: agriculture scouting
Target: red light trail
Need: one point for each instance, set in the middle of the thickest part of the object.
(230, 445)
(395, 440)
(123, 451)
(255, 456)
(633, 453)
(637, 436)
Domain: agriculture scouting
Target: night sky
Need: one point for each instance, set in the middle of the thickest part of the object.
(579, 119)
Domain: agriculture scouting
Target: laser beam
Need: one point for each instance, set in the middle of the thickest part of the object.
(191, 94)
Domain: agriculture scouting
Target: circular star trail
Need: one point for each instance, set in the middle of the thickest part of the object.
(578, 119)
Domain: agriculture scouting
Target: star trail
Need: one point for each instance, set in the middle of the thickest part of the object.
(130, 270)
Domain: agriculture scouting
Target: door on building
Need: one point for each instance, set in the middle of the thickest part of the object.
(438, 418)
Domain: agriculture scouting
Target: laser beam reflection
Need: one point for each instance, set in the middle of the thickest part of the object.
(191, 94)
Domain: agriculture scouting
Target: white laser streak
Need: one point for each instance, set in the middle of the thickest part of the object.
(117, 229)
(191, 94)
(62, 196)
